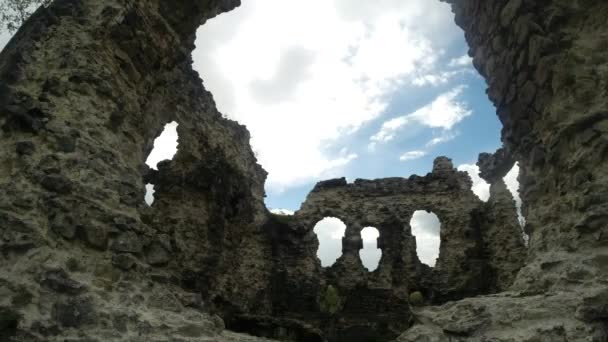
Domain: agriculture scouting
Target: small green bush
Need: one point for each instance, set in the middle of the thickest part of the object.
(416, 298)
(330, 302)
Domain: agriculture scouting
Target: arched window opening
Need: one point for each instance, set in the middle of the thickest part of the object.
(330, 232)
(425, 227)
(370, 254)
(165, 147)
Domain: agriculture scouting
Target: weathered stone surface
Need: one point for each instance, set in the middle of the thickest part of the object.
(481, 250)
(86, 86)
(494, 167)
(59, 280)
(554, 127)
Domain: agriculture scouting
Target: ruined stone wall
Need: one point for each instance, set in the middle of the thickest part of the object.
(481, 251)
(545, 63)
(86, 87)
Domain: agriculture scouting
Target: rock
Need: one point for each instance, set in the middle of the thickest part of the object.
(74, 312)
(494, 167)
(26, 148)
(124, 261)
(66, 144)
(63, 225)
(96, 236)
(156, 255)
(509, 11)
(218, 323)
(9, 321)
(59, 280)
(57, 183)
(127, 242)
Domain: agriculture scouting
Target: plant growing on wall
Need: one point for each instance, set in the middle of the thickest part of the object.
(330, 301)
(416, 298)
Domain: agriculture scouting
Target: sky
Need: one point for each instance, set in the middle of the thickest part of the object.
(346, 88)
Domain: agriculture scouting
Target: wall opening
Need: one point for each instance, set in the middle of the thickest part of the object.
(426, 227)
(165, 148)
(370, 254)
(330, 232)
(513, 185)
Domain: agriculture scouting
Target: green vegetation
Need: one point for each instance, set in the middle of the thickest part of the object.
(416, 298)
(330, 302)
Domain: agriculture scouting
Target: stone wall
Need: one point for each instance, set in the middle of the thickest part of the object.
(86, 87)
(481, 250)
(546, 66)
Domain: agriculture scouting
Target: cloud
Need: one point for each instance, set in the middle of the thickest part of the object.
(480, 187)
(300, 88)
(165, 145)
(425, 227)
(412, 155)
(443, 138)
(444, 112)
(293, 69)
(284, 212)
(462, 61)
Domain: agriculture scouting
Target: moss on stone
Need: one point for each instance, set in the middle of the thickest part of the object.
(330, 301)
(416, 298)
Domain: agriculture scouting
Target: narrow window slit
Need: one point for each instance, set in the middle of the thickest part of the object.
(165, 148)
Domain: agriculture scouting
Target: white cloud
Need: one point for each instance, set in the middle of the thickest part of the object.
(165, 146)
(412, 155)
(462, 61)
(284, 212)
(300, 87)
(443, 138)
(444, 112)
(480, 187)
(426, 227)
